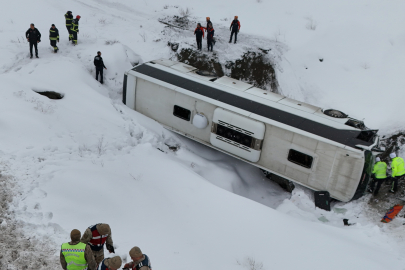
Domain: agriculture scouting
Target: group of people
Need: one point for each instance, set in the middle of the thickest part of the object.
(380, 173)
(199, 33)
(87, 251)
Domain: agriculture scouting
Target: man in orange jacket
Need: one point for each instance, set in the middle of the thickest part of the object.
(235, 27)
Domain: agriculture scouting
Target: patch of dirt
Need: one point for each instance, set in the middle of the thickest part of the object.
(50, 94)
(18, 250)
(201, 61)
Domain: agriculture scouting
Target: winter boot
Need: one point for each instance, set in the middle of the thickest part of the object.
(36, 56)
(31, 56)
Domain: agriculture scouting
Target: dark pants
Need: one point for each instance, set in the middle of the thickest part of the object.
(379, 183)
(199, 43)
(70, 33)
(53, 44)
(236, 35)
(74, 37)
(395, 182)
(209, 43)
(99, 70)
(35, 44)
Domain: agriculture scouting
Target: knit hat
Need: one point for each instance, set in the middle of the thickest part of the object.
(377, 159)
(135, 252)
(103, 228)
(115, 262)
(393, 155)
(75, 235)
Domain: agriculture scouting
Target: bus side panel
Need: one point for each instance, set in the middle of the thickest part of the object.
(130, 91)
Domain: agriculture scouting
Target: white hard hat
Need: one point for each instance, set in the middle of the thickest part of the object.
(377, 159)
(392, 155)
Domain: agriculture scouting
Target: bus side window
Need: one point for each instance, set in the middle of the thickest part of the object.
(301, 159)
(181, 113)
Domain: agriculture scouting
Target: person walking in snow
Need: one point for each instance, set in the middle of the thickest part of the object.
(33, 37)
(234, 28)
(54, 37)
(199, 35)
(96, 236)
(99, 64)
(113, 263)
(69, 19)
(380, 174)
(75, 255)
(140, 261)
(75, 29)
(210, 37)
(397, 171)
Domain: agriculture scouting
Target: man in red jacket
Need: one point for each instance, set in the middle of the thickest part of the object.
(235, 27)
(95, 236)
(199, 35)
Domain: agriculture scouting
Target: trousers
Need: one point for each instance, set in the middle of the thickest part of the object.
(53, 44)
(379, 183)
(236, 35)
(99, 70)
(74, 37)
(199, 43)
(35, 44)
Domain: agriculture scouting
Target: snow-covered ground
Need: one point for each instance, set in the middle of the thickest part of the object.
(87, 158)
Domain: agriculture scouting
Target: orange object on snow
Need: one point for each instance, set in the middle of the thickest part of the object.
(393, 212)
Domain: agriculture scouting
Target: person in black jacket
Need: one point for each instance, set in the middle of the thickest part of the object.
(199, 35)
(33, 37)
(69, 19)
(208, 19)
(99, 64)
(210, 37)
(54, 37)
(235, 26)
(75, 29)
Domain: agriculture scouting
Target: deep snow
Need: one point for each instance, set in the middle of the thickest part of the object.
(87, 158)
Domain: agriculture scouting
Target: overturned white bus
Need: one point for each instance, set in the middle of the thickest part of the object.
(324, 150)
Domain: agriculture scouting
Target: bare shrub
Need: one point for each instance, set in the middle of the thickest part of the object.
(185, 13)
(311, 24)
(111, 42)
(102, 21)
(250, 263)
(143, 36)
(101, 146)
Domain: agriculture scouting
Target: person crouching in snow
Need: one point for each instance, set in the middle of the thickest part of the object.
(210, 37)
(140, 261)
(199, 35)
(113, 263)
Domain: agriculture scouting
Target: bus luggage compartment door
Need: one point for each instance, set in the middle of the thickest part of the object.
(237, 134)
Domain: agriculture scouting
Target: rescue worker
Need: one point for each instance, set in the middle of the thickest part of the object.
(113, 263)
(54, 37)
(96, 236)
(210, 37)
(75, 29)
(208, 23)
(235, 27)
(140, 261)
(75, 255)
(69, 19)
(380, 175)
(199, 35)
(397, 171)
(99, 64)
(33, 37)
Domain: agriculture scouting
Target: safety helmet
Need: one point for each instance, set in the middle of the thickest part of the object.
(69, 12)
(78, 17)
(236, 17)
(208, 18)
(377, 159)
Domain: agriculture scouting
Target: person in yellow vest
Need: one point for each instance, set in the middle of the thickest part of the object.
(76, 255)
(380, 175)
(397, 171)
(74, 30)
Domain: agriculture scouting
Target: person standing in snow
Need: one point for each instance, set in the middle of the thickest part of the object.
(96, 236)
(54, 37)
(397, 171)
(113, 263)
(234, 28)
(380, 174)
(140, 261)
(75, 29)
(69, 19)
(208, 19)
(33, 37)
(210, 37)
(99, 64)
(199, 35)
(75, 255)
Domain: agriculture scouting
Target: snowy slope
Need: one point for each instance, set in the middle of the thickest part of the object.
(87, 158)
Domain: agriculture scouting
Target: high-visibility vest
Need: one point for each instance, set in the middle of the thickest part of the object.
(74, 256)
(69, 19)
(97, 241)
(397, 167)
(380, 170)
